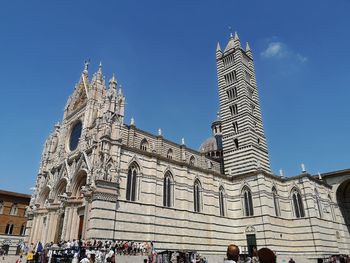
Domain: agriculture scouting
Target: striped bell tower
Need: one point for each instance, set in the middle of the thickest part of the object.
(244, 142)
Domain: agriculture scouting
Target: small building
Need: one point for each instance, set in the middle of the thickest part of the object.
(12, 220)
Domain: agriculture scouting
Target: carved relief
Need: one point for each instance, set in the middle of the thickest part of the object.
(250, 229)
(78, 100)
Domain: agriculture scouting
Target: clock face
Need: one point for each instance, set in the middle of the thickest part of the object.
(75, 135)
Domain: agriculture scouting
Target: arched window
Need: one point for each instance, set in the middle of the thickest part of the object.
(297, 204)
(247, 202)
(168, 190)
(1, 207)
(169, 154)
(9, 229)
(192, 161)
(23, 230)
(14, 209)
(222, 201)
(197, 190)
(144, 145)
(318, 203)
(276, 201)
(131, 188)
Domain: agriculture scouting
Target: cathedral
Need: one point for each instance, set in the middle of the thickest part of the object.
(100, 178)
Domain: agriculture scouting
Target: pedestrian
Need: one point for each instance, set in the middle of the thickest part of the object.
(266, 255)
(232, 254)
(19, 260)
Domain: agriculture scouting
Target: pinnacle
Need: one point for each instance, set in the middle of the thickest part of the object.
(218, 48)
(113, 79)
(247, 47)
(99, 71)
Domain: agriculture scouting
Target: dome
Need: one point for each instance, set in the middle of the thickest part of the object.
(211, 144)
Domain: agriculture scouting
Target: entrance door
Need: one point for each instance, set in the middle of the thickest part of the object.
(81, 225)
(251, 243)
(59, 230)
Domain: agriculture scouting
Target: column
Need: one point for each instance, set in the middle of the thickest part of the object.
(65, 223)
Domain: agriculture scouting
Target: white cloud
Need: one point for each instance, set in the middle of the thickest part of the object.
(274, 49)
(279, 50)
(301, 58)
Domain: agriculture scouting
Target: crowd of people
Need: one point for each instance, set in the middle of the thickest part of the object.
(80, 251)
(97, 251)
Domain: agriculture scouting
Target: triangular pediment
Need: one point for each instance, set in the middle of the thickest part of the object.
(79, 97)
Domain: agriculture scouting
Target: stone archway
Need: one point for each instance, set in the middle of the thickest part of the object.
(80, 181)
(60, 198)
(78, 207)
(343, 199)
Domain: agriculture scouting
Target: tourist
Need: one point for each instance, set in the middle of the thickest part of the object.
(232, 254)
(19, 260)
(266, 255)
(291, 261)
(85, 259)
(2, 253)
(30, 256)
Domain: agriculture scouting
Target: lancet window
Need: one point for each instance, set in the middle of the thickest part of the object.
(297, 204)
(247, 202)
(131, 188)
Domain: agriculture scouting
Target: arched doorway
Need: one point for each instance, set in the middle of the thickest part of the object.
(60, 192)
(343, 199)
(77, 193)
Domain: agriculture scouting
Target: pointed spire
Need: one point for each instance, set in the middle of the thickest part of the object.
(132, 121)
(120, 91)
(237, 41)
(218, 48)
(112, 92)
(113, 80)
(99, 72)
(230, 44)
(100, 68)
(247, 47)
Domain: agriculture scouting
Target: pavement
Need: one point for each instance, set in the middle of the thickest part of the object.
(11, 259)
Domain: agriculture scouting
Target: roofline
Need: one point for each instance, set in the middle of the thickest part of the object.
(163, 138)
(281, 179)
(22, 195)
(335, 173)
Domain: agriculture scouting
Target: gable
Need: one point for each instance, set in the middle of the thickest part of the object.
(79, 98)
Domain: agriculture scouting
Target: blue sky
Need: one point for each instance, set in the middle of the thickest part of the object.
(163, 54)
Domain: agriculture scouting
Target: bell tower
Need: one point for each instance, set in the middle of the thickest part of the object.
(243, 138)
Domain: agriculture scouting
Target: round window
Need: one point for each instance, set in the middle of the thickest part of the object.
(74, 136)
